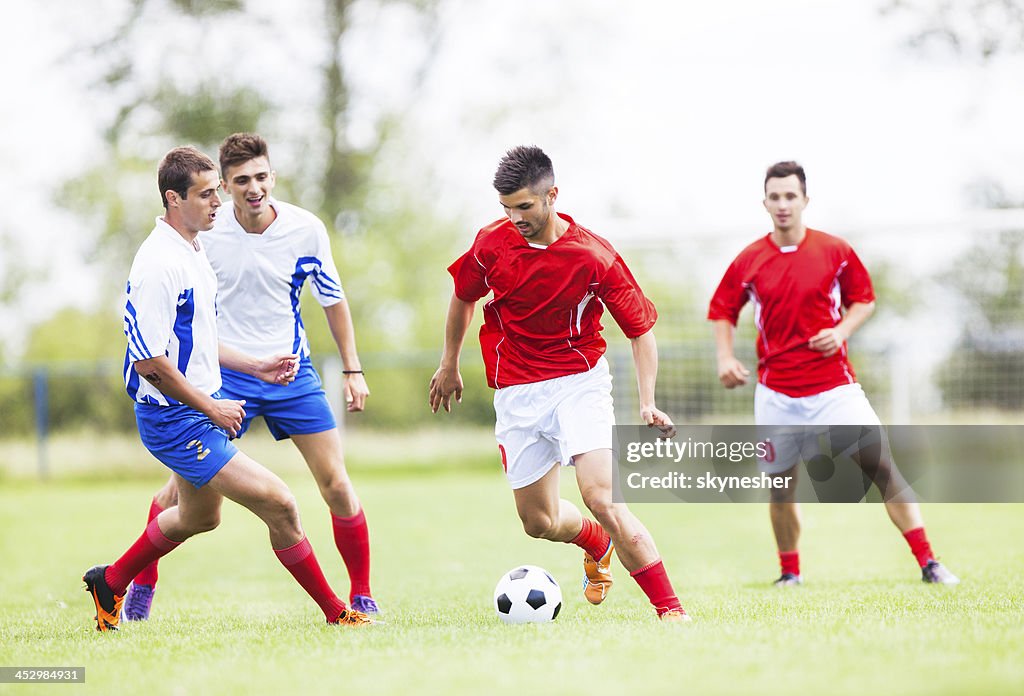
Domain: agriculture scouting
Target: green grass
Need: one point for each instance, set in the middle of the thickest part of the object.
(229, 619)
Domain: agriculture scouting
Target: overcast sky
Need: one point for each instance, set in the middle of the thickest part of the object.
(661, 117)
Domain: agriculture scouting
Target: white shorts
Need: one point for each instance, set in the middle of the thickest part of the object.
(843, 405)
(543, 423)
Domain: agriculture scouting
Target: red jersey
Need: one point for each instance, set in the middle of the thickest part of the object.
(544, 319)
(796, 291)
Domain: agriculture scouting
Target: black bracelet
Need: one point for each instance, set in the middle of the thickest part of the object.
(351, 372)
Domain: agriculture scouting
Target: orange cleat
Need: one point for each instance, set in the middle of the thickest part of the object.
(108, 604)
(352, 617)
(597, 575)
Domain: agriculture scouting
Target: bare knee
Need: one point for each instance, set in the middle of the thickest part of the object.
(280, 509)
(337, 492)
(538, 525)
(601, 507)
(198, 523)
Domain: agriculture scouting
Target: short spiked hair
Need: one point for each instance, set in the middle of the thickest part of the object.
(525, 166)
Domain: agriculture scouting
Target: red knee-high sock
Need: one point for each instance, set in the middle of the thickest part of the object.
(592, 539)
(302, 564)
(352, 538)
(149, 574)
(146, 549)
(653, 580)
(789, 561)
(919, 545)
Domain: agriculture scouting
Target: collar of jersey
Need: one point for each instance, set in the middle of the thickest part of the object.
(238, 226)
(571, 228)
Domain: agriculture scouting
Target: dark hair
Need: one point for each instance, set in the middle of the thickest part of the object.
(241, 147)
(521, 167)
(780, 170)
(177, 169)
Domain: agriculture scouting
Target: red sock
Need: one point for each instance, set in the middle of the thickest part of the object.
(919, 546)
(149, 574)
(653, 580)
(790, 562)
(146, 549)
(592, 539)
(302, 564)
(352, 538)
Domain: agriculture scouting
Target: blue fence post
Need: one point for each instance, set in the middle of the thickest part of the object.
(40, 381)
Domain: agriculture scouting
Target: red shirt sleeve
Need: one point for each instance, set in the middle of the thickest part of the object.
(730, 296)
(621, 294)
(854, 282)
(470, 276)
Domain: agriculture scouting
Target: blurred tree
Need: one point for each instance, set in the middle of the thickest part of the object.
(975, 29)
(165, 88)
(986, 367)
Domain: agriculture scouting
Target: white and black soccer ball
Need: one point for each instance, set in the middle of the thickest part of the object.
(527, 594)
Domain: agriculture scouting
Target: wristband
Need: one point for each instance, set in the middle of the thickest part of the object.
(351, 372)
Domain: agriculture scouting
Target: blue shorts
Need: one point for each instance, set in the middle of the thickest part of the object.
(185, 440)
(299, 408)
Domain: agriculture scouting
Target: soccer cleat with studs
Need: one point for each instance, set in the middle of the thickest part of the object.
(352, 617)
(788, 580)
(138, 601)
(365, 604)
(597, 575)
(674, 616)
(108, 604)
(934, 572)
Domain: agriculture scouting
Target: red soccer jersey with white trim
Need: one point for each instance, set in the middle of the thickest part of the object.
(544, 318)
(796, 292)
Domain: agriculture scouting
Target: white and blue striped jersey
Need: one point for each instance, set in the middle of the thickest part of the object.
(171, 310)
(260, 278)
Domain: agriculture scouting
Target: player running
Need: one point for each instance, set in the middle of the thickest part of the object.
(799, 280)
(543, 351)
(263, 251)
(184, 421)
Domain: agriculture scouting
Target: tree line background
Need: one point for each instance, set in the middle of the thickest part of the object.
(391, 240)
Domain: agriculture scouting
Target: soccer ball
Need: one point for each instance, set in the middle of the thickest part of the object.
(527, 594)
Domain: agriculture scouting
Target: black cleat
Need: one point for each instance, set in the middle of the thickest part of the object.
(788, 580)
(108, 604)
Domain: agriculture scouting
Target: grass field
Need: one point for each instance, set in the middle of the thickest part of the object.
(229, 619)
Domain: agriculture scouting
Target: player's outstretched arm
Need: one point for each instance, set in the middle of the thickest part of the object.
(162, 374)
(339, 319)
(731, 372)
(829, 341)
(275, 369)
(447, 381)
(645, 358)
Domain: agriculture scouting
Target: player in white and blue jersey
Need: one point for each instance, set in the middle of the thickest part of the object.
(172, 372)
(264, 252)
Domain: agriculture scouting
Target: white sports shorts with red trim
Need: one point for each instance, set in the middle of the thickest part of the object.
(545, 423)
(843, 405)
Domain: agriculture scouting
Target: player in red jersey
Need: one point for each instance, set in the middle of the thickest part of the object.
(551, 280)
(800, 281)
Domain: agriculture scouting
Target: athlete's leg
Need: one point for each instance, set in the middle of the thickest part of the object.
(543, 513)
(257, 488)
(138, 599)
(326, 460)
(784, 512)
(635, 545)
(632, 540)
